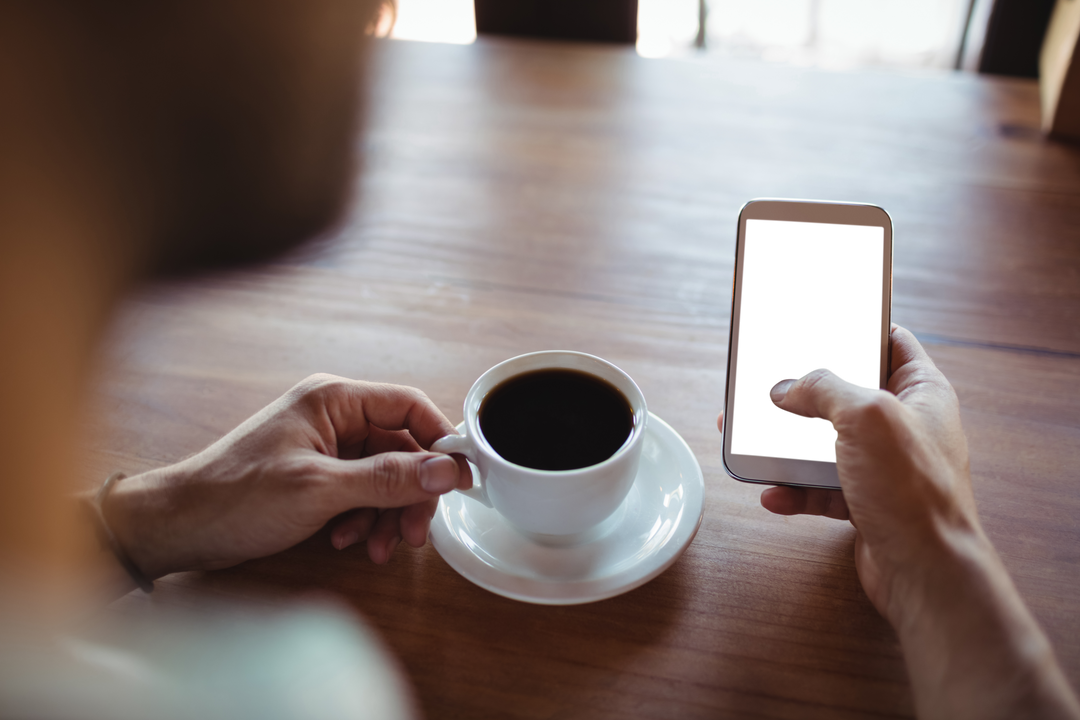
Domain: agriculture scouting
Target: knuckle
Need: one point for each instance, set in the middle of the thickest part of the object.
(416, 392)
(416, 400)
(311, 386)
(305, 471)
(390, 473)
(409, 394)
(878, 411)
(806, 391)
(313, 383)
(316, 390)
(300, 476)
(812, 379)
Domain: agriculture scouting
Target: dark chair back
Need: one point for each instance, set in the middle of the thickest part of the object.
(613, 21)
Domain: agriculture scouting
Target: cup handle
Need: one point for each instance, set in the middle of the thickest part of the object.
(463, 445)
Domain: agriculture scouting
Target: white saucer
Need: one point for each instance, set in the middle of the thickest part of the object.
(648, 532)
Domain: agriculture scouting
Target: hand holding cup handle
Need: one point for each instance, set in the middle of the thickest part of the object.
(463, 445)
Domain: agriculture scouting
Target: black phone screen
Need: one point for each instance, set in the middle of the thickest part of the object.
(811, 297)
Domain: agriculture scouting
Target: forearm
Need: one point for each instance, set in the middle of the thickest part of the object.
(973, 649)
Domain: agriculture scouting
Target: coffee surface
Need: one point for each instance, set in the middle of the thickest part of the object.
(556, 419)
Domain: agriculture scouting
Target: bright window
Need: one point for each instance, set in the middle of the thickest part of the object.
(827, 33)
(447, 21)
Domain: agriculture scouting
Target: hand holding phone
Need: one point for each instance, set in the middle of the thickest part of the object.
(813, 289)
(920, 551)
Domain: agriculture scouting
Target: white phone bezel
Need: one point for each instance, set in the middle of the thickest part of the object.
(783, 471)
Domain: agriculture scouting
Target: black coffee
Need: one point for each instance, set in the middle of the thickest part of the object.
(556, 419)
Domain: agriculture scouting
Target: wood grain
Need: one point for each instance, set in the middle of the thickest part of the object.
(519, 196)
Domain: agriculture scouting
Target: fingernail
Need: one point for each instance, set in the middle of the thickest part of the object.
(439, 474)
(347, 539)
(389, 548)
(780, 389)
(388, 551)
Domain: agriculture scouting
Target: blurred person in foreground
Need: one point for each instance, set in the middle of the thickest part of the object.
(145, 140)
(160, 139)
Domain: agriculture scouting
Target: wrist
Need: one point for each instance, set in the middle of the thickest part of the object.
(955, 567)
(972, 647)
(137, 512)
(107, 538)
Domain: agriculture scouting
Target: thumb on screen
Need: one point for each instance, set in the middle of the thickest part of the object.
(818, 394)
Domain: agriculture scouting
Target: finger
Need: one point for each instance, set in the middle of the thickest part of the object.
(905, 348)
(818, 394)
(385, 537)
(377, 441)
(387, 480)
(465, 474)
(785, 500)
(353, 527)
(381, 441)
(720, 422)
(912, 368)
(353, 406)
(415, 521)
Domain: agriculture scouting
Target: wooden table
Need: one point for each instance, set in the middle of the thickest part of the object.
(520, 196)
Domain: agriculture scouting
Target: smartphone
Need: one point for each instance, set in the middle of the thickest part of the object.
(813, 289)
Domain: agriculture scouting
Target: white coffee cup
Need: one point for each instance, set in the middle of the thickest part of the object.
(550, 503)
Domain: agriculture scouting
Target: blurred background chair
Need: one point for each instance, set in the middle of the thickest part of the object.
(1014, 37)
(612, 21)
(1059, 72)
